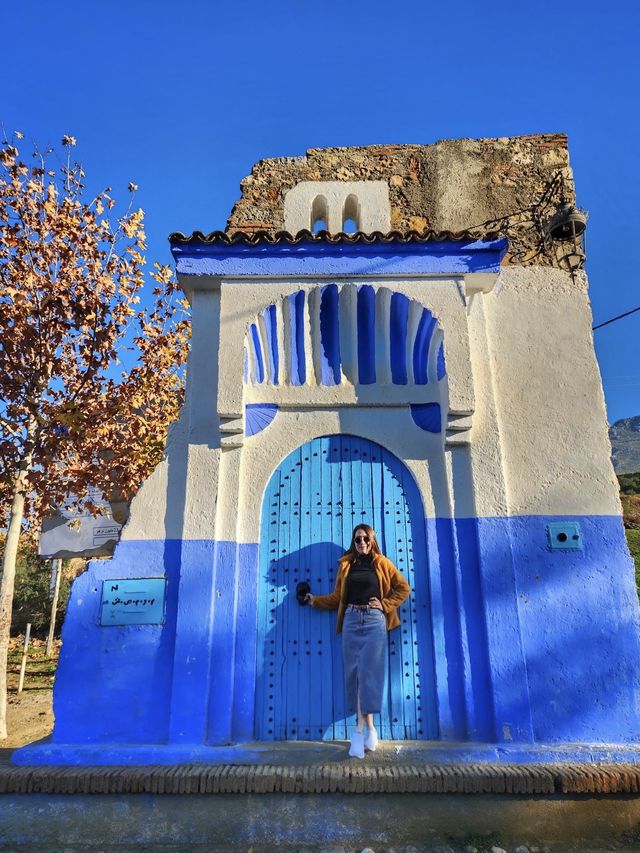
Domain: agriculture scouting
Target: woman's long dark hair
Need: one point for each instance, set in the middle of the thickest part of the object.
(351, 553)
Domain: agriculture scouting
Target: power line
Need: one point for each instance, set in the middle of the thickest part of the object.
(613, 319)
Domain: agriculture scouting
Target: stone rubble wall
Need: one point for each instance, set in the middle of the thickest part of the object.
(453, 185)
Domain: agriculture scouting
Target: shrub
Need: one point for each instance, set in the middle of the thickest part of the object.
(31, 601)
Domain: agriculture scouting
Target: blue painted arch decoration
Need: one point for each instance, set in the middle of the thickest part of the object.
(428, 416)
(356, 333)
(258, 416)
(312, 502)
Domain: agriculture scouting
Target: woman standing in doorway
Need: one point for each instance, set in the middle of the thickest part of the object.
(368, 591)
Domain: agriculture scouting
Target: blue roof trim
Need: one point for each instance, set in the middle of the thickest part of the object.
(316, 259)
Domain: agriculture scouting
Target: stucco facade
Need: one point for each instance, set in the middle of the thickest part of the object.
(457, 386)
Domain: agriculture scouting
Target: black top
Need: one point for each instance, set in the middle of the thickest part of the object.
(362, 582)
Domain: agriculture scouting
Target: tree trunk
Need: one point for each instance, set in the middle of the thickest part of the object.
(7, 581)
(56, 573)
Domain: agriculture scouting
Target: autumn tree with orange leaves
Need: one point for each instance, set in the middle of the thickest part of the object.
(71, 416)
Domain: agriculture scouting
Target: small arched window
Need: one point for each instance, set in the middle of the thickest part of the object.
(351, 215)
(319, 215)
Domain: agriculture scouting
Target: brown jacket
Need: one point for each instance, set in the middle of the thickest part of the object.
(393, 591)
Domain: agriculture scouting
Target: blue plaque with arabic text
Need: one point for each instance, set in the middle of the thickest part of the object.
(133, 601)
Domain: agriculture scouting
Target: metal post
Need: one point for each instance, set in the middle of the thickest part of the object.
(54, 590)
(23, 664)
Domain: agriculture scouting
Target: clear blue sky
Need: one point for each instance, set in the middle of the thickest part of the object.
(182, 98)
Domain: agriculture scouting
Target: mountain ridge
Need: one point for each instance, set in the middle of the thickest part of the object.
(625, 445)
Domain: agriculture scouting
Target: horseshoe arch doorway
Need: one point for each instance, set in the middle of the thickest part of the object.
(315, 497)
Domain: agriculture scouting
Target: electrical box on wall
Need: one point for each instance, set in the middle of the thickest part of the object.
(564, 536)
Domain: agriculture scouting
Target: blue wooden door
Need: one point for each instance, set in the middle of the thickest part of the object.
(313, 500)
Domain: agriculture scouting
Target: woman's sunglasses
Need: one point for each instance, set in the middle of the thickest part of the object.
(362, 539)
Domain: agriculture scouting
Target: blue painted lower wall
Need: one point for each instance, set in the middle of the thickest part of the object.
(530, 644)
(110, 679)
(539, 645)
(152, 683)
(580, 632)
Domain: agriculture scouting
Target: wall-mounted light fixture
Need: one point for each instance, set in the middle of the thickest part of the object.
(565, 229)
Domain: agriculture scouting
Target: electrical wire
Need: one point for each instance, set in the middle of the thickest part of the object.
(613, 319)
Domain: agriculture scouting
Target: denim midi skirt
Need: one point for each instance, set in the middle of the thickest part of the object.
(364, 655)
